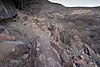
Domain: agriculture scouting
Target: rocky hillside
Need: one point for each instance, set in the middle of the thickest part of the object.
(45, 34)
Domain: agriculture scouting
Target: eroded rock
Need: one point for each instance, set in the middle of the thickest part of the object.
(7, 9)
(11, 49)
(47, 56)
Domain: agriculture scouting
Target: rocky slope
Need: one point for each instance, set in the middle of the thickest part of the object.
(51, 36)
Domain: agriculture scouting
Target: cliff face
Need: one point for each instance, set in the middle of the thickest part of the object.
(50, 35)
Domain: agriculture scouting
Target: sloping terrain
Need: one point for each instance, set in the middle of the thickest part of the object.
(51, 35)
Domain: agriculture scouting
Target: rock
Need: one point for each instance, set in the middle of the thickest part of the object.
(10, 49)
(14, 61)
(46, 53)
(74, 65)
(61, 36)
(13, 49)
(92, 28)
(25, 56)
(69, 64)
(81, 57)
(5, 31)
(64, 38)
(41, 19)
(5, 49)
(91, 65)
(64, 57)
(6, 37)
(79, 61)
(22, 3)
(7, 9)
(20, 49)
(2, 28)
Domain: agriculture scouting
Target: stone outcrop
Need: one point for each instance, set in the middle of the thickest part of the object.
(7, 9)
(54, 37)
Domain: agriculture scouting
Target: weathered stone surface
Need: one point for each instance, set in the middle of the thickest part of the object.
(9, 48)
(47, 56)
(25, 56)
(6, 37)
(7, 9)
(56, 37)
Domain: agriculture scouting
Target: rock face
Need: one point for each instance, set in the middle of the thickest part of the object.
(7, 9)
(54, 37)
(47, 56)
(22, 3)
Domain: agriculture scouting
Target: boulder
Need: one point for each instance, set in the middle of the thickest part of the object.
(46, 55)
(11, 49)
(7, 9)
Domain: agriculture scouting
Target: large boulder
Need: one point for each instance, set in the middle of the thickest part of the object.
(7, 9)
